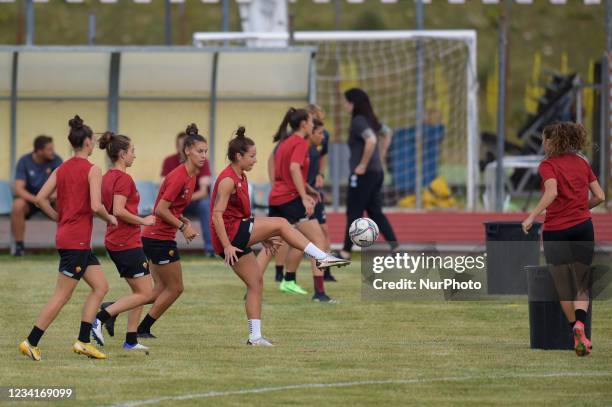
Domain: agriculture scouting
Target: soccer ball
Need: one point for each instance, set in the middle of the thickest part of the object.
(363, 232)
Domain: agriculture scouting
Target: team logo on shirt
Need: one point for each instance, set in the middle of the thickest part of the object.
(171, 252)
(77, 269)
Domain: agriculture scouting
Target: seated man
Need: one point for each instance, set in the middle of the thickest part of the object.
(200, 201)
(31, 173)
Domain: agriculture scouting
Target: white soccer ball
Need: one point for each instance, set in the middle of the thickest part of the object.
(363, 232)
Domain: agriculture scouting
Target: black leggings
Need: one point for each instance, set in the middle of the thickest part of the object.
(365, 194)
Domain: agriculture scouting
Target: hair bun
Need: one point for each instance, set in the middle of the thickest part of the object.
(76, 122)
(192, 130)
(106, 139)
(240, 132)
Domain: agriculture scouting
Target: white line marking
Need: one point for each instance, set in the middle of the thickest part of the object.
(211, 394)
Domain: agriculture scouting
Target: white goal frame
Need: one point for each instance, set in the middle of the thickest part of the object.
(469, 37)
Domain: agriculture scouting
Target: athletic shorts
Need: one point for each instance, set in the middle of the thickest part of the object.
(571, 245)
(319, 213)
(131, 263)
(293, 211)
(33, 210)
(74, 263)
(160, 252)
(241, 240)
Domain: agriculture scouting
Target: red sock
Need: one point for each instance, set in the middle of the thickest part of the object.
(318, 284)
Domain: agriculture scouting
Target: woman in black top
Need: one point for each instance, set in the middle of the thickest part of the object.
(368, 140)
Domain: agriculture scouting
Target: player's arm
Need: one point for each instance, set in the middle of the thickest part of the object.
(202, 193)
(295, 169)
(549, 195)
(22, 192)
(95, 195)
(271, 166)
(368, 150)
(224, 190)
(598, 194)
(163, 212)
(320, 177)
(384, 141)
(122, 213)
(42, 199)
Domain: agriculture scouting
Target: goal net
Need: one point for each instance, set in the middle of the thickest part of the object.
(421, 84)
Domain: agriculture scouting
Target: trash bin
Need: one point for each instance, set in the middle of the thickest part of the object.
(548, 326)
(509, 250)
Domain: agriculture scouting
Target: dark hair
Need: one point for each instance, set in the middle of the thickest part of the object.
(316, 124)
(293, 117)
(239, 144)
(114, 144)
(78, 132)
(362, 107)
(565, 137)
(192, 137)
(40, 142)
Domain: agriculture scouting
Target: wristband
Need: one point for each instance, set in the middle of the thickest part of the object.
(182, 227)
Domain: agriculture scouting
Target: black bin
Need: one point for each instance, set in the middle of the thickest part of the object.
(509, 250)
(548, 326)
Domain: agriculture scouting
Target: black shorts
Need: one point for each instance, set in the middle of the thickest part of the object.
(131, 263)
(33, 210)
(160, 252)
(319, 213)
(241, 240)
(571, 245)
(74, 263)
(293, 211)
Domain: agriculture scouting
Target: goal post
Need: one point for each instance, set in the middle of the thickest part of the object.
(384, 63)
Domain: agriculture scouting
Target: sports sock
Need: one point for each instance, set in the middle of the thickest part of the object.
(314, 252)
(35, 336)
(254, 329)
(103, 316)
(290, 276)
(581, 315)
(85, 332)
(146, 324)
(318, 284)
(20, 246)
(279, 270)
(326, 272)
(131, 338)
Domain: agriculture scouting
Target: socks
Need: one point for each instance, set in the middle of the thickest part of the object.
(85, 332)
(314, 252)
(131, 338)
(290, 276)
(319, 286)
(35, 336)
(20, 245)
(279, 271)
(254, 329)
(326, 272)
(146, 324)
(103, 316)
(581, 315)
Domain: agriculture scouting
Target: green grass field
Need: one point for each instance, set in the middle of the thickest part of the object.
(352, 353)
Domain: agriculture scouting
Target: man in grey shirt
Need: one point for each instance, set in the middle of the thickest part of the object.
(33, 170)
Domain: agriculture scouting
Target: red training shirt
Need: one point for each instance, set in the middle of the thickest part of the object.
(293, 149)
(173, 161)
(238, 206)
(177, 189)
(125, 235)
(74, 205)
(573, 174)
